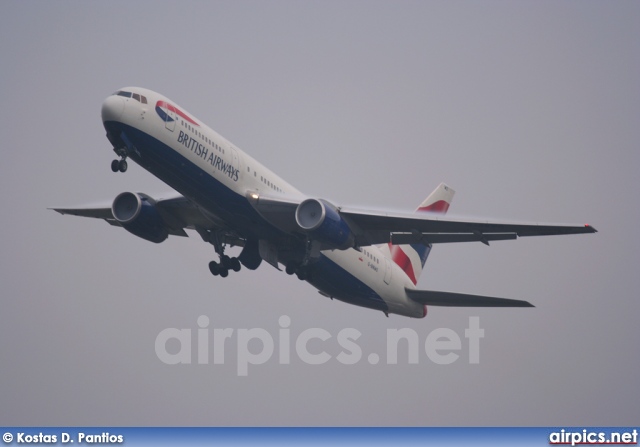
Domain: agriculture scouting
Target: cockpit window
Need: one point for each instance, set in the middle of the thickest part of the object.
(136, 96)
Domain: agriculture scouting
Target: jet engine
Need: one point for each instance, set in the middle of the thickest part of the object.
(137, 214)
(323, 222)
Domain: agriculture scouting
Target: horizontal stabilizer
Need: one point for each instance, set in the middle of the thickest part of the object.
(433, 298)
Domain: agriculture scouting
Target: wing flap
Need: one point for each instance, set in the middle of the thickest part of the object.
(430, 238)
(96, 212)
(104, 213)
(178, 214)
(378, 228)
(449, 299)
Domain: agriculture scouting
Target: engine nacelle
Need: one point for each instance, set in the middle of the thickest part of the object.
(137, 214)
(323, 222)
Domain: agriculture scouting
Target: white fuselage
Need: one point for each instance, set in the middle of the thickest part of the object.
(182, 151)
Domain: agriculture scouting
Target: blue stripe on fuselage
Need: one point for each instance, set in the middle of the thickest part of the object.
(200, 186)
(335, 281)
(194, 183)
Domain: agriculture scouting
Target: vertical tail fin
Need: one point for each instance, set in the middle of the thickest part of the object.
(438, 201)
(411, 258)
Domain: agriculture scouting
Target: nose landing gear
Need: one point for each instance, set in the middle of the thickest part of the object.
(120, 165)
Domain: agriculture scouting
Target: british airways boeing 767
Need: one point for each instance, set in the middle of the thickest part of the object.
(370, 259)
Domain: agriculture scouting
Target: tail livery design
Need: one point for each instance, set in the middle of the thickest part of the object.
(411, 258)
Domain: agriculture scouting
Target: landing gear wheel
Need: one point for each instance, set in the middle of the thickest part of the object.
(122, 165)
(235, 264)
(214, 268)
(115, 165)
(290, 269)
(224, 272)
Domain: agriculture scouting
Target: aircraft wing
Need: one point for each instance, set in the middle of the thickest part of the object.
(178, 214)
(376, 227)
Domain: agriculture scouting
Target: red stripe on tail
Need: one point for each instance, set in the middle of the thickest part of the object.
(403, 261)
(437, 207)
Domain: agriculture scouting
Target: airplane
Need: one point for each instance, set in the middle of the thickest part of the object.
(371, 259)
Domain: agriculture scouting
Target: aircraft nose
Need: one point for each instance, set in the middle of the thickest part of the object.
(112, 108)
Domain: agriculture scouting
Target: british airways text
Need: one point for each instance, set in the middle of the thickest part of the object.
(200, 150)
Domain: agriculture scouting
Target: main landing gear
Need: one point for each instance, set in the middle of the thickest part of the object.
(301, 271)
(226, 264)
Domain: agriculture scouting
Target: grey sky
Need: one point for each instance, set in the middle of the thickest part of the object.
(528, 109)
